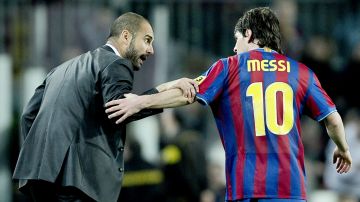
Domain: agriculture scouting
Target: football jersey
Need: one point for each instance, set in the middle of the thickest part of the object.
(257, 99)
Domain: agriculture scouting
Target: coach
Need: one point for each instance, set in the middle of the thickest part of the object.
(71, 150)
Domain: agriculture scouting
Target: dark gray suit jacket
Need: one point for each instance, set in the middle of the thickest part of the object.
(67, 135)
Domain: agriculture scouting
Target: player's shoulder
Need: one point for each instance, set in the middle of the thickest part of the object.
(304, 67)
(301, 66)
(224, 61)
(233, 58)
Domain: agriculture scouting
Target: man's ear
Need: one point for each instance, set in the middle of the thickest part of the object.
(126, 37)
(248, 35)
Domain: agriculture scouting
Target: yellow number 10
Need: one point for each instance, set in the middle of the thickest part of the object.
(255, 90)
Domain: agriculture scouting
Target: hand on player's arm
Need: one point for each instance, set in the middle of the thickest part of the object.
(341, 156)
(123, 108)
(188, 86)
(172, 96)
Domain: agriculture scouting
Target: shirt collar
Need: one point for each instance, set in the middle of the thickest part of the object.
(114, 49)
(266, 49)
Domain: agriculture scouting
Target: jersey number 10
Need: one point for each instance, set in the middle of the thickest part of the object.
(255, 90)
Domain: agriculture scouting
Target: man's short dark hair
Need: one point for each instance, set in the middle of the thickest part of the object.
(128, 21)
(264, 26)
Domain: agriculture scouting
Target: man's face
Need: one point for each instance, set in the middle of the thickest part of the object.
(241, 44)
(140, 46)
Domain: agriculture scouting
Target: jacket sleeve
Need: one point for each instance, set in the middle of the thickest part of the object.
(31, 110)
(116, 81)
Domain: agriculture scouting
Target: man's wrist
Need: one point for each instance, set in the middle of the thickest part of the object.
(146, 101)
(344, 149)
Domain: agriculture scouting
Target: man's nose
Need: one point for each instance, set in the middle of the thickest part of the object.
(150, 50)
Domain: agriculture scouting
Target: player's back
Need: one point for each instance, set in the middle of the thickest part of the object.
(258, 112)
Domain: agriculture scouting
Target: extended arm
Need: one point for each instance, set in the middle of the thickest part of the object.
(188, 86)
(170, 98)
(335, 129)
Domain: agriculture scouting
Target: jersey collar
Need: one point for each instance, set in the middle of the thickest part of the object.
(266, 49)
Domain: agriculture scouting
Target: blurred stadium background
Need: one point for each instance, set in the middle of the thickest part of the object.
(177, 156)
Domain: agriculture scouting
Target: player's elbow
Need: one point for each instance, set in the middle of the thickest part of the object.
(333, 120)
(334, 125)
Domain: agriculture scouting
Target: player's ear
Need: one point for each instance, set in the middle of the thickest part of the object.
(248, 35)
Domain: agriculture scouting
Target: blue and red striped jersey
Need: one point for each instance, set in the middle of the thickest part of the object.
(257, 99)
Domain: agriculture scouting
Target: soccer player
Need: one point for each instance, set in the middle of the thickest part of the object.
(258, 97)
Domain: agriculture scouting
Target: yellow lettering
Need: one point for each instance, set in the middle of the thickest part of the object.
(273, 65)
(268, 65)
(281, 64)
(288, 66)
(264, 65)
(253, 65)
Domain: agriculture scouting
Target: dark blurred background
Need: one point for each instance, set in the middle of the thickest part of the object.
(177, 156)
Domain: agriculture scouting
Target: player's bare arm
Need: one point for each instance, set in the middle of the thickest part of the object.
(335, 129)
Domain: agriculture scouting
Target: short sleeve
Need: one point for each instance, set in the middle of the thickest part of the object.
(318, 104)
(211, 83)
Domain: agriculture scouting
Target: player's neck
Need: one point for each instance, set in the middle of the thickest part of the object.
(253, 46)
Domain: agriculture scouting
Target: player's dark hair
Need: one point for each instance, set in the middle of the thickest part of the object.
(128, 21)
(264, 26)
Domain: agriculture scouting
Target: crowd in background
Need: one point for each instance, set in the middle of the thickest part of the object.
(177, 156)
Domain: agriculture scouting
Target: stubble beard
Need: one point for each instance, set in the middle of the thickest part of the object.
(132, 55)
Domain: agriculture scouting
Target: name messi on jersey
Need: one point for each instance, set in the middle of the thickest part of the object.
(268, 65)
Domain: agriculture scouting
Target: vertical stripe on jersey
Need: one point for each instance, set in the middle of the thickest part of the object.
(314, 109)
(272, 171)
(303, 77)
(236, 107)
(219, 118)
(220, 112)
(319, 94)
(260, 141)
(227, 124)
(297, 180)
(283, 140)
(227, 135)
(212, 80)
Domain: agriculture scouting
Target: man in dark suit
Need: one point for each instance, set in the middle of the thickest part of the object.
(71, 150)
